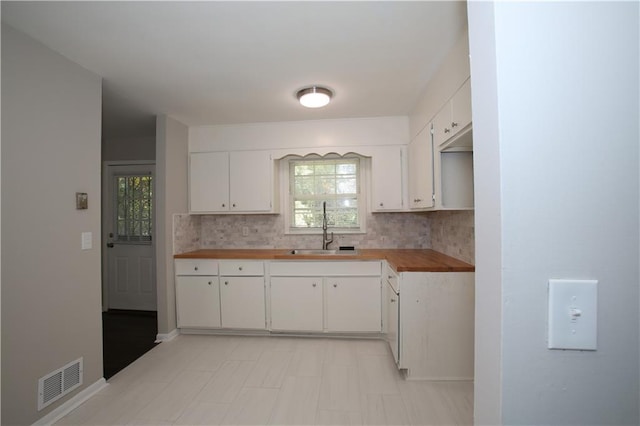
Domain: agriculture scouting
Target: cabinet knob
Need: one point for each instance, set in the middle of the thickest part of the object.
(226, 283)
(389, 276)
(393, 300)
(417, 200)
(446, 130)
(313, 285)
(239, 268)
(335, 285)
(381, 204)
(233, 205)
(195, 269)
(454, 124)
(209, 282)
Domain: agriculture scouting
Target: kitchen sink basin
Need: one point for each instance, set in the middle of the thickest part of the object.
(322, 252)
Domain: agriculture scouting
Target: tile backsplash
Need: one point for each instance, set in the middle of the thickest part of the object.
(453, 233)
(448, 232)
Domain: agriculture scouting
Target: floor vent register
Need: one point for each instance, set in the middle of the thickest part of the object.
(58, 383)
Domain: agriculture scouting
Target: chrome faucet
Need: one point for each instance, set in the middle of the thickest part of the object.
(325, 240)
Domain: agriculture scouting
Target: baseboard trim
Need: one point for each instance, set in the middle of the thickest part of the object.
(165, 337)
(72, 403)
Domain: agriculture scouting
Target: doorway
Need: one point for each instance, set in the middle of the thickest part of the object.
(129, 318)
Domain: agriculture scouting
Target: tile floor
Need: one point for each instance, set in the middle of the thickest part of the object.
(234, 380)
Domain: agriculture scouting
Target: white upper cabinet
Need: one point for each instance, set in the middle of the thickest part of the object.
(387, 172)
(231, 182)
(209, 182)
(454, 116)
(251, 181)
(421, 170)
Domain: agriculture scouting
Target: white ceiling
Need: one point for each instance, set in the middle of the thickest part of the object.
(240, 62)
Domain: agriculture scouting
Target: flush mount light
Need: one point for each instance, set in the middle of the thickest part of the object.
(314, 96)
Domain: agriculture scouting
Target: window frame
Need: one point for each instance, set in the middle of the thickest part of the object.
(287, 197)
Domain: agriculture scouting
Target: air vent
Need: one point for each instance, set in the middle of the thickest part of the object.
(58, 383)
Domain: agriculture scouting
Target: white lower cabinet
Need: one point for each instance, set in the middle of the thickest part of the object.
(303, 296)
(437, 325)
(353, 304)
(326, 296)
(242, 302)
(198, 301)
(296, 304)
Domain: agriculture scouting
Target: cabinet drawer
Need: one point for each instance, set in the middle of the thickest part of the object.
(325, 268)
(241, 267)
(196, 267)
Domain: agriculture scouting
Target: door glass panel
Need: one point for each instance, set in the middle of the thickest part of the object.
(134, 208)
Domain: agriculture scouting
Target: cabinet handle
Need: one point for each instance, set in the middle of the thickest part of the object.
(335, 285)
(417, 200)
(446, 130)
(454, 124)
(389, 276)
(313, 285)
(393, 300)
(226, 283)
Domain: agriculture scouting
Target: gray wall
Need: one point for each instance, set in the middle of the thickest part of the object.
(171, 198)
(129, 148)
(51, 308)
(556, 142)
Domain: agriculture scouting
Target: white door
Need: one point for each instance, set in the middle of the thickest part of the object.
(198, 301)
(354, 304)
(209, 182)
(130, 256)
(296, 303)
(242, 302)
(251, 179)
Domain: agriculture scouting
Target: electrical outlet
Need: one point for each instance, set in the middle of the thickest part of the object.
(245, 231)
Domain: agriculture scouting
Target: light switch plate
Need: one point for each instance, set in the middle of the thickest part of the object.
(87, 242)
(573, 314)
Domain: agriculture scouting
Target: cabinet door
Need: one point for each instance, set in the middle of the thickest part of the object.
(296, 303)
(393, 317)
(386, 179)
(251, 181)
(461, 108)
(442, 125)
(242, 302)
(354, 304)
(421, 170)
(208, 182)
(198, 302)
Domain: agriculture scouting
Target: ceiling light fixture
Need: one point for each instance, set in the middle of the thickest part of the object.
(314, 96)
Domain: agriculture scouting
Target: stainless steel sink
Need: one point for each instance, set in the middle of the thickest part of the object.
(323, 252)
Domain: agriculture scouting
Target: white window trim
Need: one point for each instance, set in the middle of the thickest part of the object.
(285, 199)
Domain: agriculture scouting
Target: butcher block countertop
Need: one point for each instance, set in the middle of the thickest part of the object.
(402, 260)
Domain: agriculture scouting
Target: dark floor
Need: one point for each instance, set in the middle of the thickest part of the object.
(126, 336)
